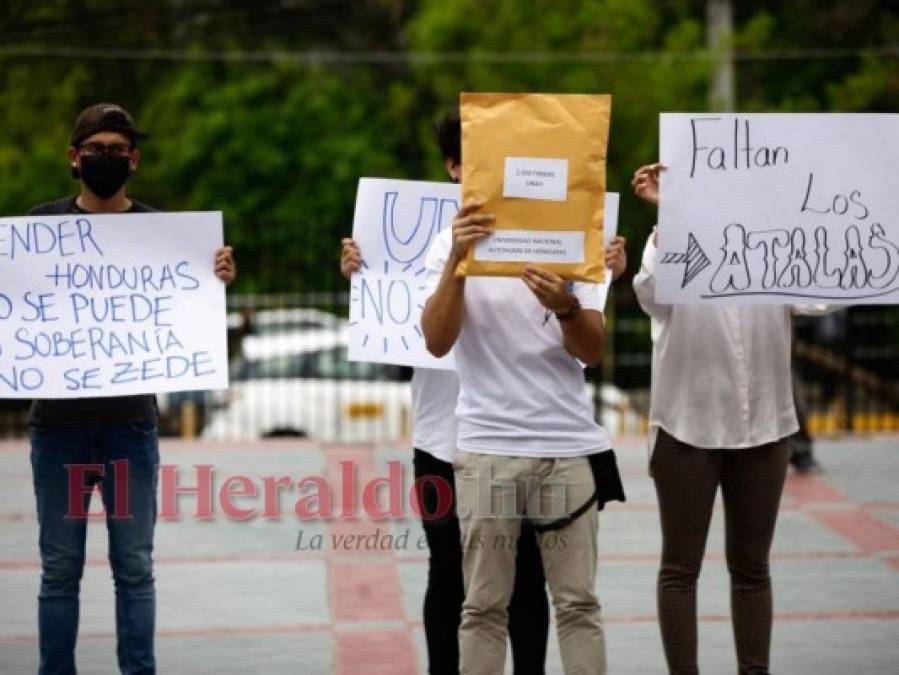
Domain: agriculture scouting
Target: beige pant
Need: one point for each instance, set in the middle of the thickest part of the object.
(493, 492)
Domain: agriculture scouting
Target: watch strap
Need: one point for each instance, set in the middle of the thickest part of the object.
(571, 312)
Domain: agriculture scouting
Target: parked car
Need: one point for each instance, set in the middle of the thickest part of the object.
(284, 320)
(301, 384)
(241, 325)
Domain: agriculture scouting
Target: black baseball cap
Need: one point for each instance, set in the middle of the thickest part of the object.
(105, 117)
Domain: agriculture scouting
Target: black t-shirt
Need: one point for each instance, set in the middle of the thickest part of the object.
(111, 410)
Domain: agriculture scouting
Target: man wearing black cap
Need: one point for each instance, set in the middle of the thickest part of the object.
(104, 432)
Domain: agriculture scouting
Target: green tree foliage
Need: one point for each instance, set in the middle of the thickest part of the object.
(280, 152)
(246, 119)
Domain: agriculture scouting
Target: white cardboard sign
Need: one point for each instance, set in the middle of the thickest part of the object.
(394, 224)
(778, 208)
(110, 305)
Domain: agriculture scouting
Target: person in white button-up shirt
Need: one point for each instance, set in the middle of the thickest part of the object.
(721, 411)
(720, 373)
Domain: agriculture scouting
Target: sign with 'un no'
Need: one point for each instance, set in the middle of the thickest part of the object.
(394, 225)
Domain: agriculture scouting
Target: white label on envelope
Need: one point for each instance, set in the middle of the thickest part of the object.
(536, 178)
(531, 246)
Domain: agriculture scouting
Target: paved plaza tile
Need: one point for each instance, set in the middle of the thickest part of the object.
(280, 592)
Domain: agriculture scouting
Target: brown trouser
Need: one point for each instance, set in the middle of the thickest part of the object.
(493, 493)
(687, 479)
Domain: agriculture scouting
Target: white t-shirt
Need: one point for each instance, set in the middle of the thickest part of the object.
(521, 392)
(434, 397)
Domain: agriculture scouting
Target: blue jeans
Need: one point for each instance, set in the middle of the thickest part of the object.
(129, 456)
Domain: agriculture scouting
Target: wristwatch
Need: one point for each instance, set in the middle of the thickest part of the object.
(571, 312)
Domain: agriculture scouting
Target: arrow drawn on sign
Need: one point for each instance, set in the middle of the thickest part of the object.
(694, 260)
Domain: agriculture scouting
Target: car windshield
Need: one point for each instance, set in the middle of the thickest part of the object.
(324, 364)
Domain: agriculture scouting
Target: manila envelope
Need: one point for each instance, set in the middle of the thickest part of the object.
(538, 163)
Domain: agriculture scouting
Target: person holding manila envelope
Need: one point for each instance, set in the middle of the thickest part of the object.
(434, 396)
(528, 447)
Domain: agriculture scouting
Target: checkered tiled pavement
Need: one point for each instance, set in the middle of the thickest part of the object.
(238, 597)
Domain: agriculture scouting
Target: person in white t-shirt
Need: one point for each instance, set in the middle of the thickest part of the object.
(721, 412)
(434, 397)
(526, 434)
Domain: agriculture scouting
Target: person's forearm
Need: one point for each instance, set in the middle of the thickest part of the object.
(584, 336)
(441, 319)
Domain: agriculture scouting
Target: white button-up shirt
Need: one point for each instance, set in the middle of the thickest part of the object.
(720, 373)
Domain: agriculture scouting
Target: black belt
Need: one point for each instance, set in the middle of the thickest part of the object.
(608, 488)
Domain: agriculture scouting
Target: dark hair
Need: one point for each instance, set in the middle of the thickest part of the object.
(448, 132)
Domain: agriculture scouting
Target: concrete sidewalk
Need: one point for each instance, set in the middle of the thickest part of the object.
(238, 597)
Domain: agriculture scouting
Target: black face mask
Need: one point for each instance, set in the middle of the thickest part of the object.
(104, 175)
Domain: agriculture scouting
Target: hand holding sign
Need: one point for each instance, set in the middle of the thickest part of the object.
(646, 182)
(550, 289)
(350, 258)
(225, 268)
(470, 227)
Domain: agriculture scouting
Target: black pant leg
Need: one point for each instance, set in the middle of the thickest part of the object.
(529, 608)
(445, 591)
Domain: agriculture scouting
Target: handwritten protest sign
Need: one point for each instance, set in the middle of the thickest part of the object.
(779, 208)
(394, 225)
(110, 305)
